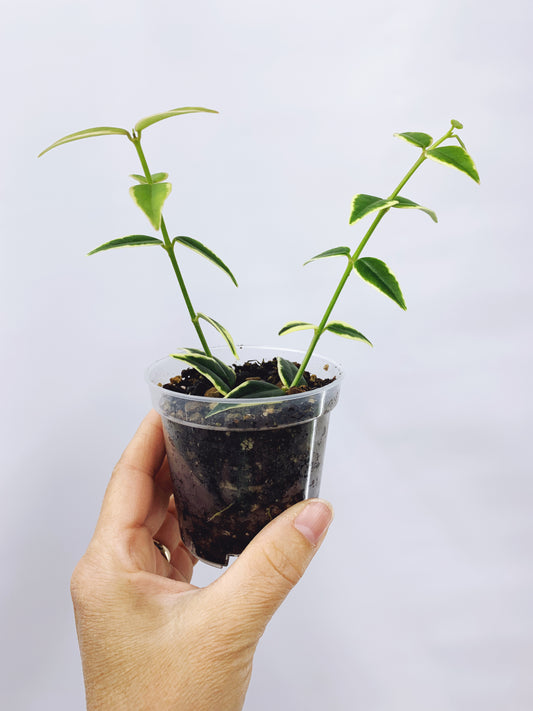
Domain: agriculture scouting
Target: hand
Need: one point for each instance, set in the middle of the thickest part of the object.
(148, 638)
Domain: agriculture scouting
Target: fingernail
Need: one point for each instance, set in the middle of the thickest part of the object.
(314, 520)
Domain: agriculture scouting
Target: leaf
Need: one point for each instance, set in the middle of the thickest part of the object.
(292, 326)
(406, 203)
(335, 252)
(156, 178)
(421, 140)
(343, 329)
(457, 157)
(217, 372)
(456, 124)
(225, 333)
(159, 177)
(129, 241)
(197, 246)
(87, 133)
(139, 178)
(255, 389)
(377, 273)
(225, 371)
(287, 371)
(150, 198)
(149, 120)
(363, 205)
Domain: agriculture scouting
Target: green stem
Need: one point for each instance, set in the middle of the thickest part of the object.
(355, 256)
(169, 249)
(192, 313)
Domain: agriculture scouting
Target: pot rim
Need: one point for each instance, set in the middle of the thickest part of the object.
(273, 350)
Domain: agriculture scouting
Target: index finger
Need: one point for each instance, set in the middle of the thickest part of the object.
(130, 492)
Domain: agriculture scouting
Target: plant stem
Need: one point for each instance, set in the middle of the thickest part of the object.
(192, 313)
(169, 249)
(355, 256)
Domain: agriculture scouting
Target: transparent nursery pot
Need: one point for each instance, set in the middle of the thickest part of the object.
(237, 463)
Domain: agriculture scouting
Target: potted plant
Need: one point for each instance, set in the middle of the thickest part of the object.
(245, 428)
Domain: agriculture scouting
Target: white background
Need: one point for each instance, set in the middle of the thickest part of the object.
(422, 595)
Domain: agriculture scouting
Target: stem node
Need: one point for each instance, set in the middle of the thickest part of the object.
(167, 245)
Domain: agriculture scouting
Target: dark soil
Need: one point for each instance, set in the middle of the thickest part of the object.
(190, 382)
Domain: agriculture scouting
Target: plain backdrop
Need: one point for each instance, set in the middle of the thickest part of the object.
(422, 595)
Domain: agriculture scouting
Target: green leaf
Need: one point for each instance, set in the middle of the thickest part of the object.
(255, 389)
(227, 373)
(250, 389)
(149, 120)
(87, 133)
(159, 177)
(292, 326)
(340, 328)
(217, 372)
(197, 246)
(421, 140)
(456, 124)
(129, 241)
(150, 198)
(406, 203)
(156, 178)
(287, 371)
(335, 252)
(457, 157)
(225, 333)
(377, 273)
(363, 205)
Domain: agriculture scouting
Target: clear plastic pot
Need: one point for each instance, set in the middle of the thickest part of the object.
(235, 467)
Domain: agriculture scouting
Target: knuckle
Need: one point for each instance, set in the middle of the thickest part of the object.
(78, 580)
(85, 583)
(282, 564)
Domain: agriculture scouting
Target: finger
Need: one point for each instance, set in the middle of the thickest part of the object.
(162, 478)
(168, 533)
(148, 558)
(162, 492)
(183, 562)
(130, 494)
(252, 589)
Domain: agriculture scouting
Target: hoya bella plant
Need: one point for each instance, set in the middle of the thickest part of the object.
(239, 461)
(151, 191)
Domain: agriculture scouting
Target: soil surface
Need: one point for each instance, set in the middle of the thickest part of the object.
(190, 382)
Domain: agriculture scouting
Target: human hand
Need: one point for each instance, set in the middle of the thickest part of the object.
(149, 640)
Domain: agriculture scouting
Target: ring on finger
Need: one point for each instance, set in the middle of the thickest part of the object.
(162, 549)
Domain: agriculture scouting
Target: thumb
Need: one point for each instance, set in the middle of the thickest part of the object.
(253, 588)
